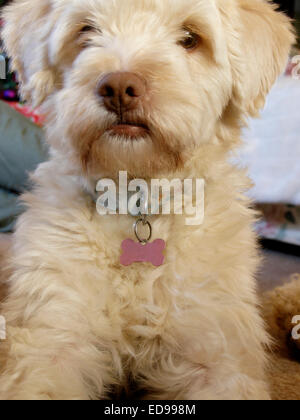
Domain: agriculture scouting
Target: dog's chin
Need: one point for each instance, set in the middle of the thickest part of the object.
(130, 149)
(136, 147)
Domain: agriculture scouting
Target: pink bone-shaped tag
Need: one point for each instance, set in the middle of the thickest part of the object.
(137, 252)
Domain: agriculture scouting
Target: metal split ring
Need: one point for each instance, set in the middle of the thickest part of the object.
(144, 222)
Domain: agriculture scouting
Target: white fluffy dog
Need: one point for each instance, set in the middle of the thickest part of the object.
(159, 88)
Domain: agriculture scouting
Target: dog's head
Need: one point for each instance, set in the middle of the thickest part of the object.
(138, 85)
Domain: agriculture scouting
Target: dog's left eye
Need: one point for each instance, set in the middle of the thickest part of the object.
(85, 34)
(190, 41)
(86, 29)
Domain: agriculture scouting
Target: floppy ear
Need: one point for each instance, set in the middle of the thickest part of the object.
(265, 36)
(27, 25)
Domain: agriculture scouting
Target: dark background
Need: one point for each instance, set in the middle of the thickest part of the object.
(288, 6)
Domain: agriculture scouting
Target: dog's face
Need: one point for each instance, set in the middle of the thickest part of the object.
(144, 81)
(138, 85)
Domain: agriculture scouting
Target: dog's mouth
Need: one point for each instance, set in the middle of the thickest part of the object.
(127, 129)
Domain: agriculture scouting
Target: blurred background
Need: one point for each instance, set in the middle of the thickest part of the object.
(271, 152)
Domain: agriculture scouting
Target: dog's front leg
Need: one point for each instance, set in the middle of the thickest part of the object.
(233, 385)
(40, 364)
(210, 361)
(50, 351)
(184, 380)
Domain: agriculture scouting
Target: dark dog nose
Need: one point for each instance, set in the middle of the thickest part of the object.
(121, 92)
